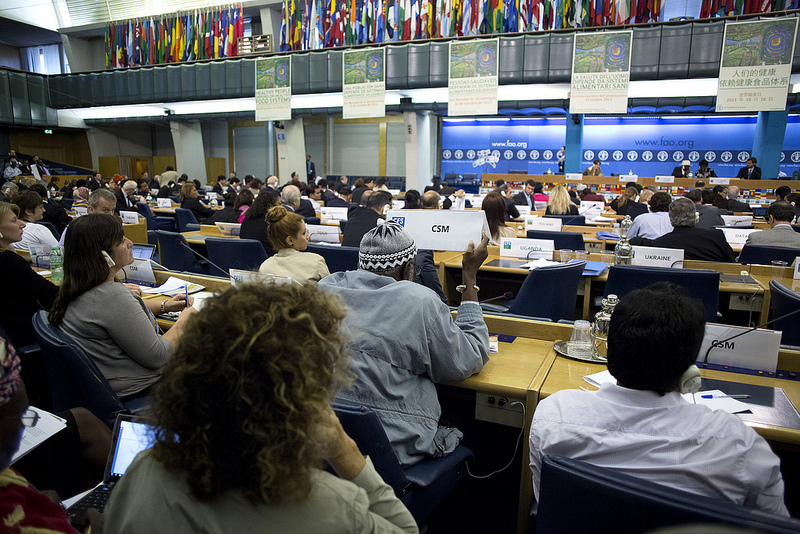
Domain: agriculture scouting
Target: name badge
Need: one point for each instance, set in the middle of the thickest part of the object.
(140, 272)
(657, 257)
(129, 217)
(574, 177)
(755, 350)
(719, 181)
(735, 236)
(529, 249)
(542, 223)
(442, 229)
(336, 214)
(398, 204)
(321, 233)
(164, 202)
(664, 179)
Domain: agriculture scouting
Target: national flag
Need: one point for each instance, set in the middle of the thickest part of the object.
(414, 19)
(380, 21)
(231, 48)
(223, 32)
(319, 35)
(284, 46)
(218, 34)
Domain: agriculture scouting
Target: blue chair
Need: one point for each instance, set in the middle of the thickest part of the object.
(337, 258)
(784, 301)
(33, 372)
(760, 212)
(422, 486)
(616, 502)
(561, 240)
(699, 283)
(548, 292)
(50, 226)
(66, 203)
(176, 254)
(763, 255)
(187, 222)
(312, 220)
(575, 220)
(244, 254)
(75, 380)
(154, 222)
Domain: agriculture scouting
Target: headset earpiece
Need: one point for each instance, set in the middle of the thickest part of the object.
(690, 380)
(107, 257)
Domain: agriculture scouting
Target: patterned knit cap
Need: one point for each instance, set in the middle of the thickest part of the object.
(386, 248)
(9, 371)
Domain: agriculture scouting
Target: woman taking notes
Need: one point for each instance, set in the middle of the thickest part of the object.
(288, 235)
(115, 327)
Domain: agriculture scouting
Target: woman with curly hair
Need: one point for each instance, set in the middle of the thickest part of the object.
(244, 421)
(289, 237)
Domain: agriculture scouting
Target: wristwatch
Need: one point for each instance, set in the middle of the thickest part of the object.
(163, 306)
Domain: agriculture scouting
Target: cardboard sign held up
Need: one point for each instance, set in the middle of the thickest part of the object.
(442, 229)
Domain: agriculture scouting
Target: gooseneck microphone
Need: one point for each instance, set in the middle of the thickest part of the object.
(508, 295)
(181, 243)
(713, 346)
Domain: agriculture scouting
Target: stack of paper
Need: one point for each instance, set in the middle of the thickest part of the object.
(47, 426)
(173, 286)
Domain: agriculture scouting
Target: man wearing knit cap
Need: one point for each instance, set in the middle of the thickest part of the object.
(404, 340)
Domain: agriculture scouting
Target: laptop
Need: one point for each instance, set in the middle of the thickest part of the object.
(143, 252)
(131, 436)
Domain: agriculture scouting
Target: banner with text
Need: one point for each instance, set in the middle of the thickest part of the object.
(756, 65)
(274, 88)
(364, 83)
(601, 71)
(472, 80)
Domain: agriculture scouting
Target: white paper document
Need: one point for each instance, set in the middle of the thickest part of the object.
(718, 401)
(173, 286)
(47, 426)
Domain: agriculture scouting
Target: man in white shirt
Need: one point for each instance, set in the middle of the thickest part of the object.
(643, 427)
(656, 223)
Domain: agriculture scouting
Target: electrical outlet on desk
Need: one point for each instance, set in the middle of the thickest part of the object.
(495, 408)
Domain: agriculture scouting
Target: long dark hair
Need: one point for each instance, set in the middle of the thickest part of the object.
(495, 207)
(84, 264)
(412, 200)
(245, 198)
(266, 199)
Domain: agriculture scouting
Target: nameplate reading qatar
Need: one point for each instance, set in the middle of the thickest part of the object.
(442, 229)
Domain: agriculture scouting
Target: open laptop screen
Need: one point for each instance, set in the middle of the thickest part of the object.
(133, 436)
(143, 252)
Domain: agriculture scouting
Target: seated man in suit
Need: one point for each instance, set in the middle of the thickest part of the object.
(751, 172)
(697, 243)
(417, 344)
(684, 170)
(126, 197)
(734, 204)
(525, 197)
(359, 222)
(704, 205)
(342, 201)
(641, 426)
(511, 209)
(779, 217)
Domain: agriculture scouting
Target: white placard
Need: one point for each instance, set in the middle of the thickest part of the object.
(323, 233)
(210, 195)
(541, 223)
(398, 204)
(626, 178)
(528, 249)
(574, 177)
(665, 179)
(719, 181)
(240, 277)
(754, 350)
(657, 257)
(336, 214)
(140, 272)
(737, 236)
(442, 229)
(81, 211)
(40, 255)
(738, 220)
(540, 205)
(164, 203)
(796, 269)
(591, 209)
(129, 217)
(524, 211)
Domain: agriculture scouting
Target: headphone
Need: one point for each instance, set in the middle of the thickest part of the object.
(1, 235)
(690, 380)
(107, 257)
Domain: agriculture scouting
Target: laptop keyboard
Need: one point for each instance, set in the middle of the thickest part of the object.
(97, 499)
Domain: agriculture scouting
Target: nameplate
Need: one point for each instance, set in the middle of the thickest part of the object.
(129, 217)
(40, 255)
(211, 195)
(657, 257)
(664, 179)
(719, 181)
(735, 236)
(737, 220)
(337, 214)
(757, 349)
(591, 209)
(574, 177)
(321, 233)
(796, 268)
(139, 272)
(240, 277)
(524, 211)
(81, 211)
(398, 204)
(164, 203)
(442, 229)
(528, 249)
(541, 223)
(624, 178)
(154, 192)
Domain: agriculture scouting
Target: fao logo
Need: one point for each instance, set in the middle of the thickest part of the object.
(459, 154)
(534, 154)
(796, 157)
(602, 155)
(742, 157)
(694, 155)
(470, 154)
(710, 156)
(547, 154)
(447, 154)
(633, 155)
(783, 156)
(726, 156)
(588, 155)
(617, 155)
(508, 154)
(677, 155)
(662, 155)
(496, 154)
(647, 155)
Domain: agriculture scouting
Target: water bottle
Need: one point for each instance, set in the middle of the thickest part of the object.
(56, 266)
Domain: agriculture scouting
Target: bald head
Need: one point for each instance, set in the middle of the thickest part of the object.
(430, 200)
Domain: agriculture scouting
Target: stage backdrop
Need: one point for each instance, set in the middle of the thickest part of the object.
(647, 146)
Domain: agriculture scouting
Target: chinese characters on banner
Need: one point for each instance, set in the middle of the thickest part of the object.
(756, 65)
(601, 71)
(274, 88)
(472, 81)
(364, 83)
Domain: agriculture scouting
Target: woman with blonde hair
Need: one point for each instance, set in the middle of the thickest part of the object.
(560, 203)
(624, 201)
(494, 205)
(289, 237)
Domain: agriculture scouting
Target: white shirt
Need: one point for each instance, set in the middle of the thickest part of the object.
(662, 439)
(650, 225)
(36, 234)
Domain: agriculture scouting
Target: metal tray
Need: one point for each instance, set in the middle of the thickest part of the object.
(561, 348)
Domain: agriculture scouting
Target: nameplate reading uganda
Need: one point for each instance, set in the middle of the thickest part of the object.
(442, 229)
(528, 249)
(657, 257)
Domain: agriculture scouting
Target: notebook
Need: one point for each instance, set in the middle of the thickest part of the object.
(131, 436)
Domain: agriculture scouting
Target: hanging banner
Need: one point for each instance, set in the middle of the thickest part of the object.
(274, 88)
(601, 71)
(472, 80)
(364, 83)
(756, 65)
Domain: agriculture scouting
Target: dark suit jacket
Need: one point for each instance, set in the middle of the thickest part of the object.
(357, 192)
(53, 213)
(677, 172)
(306, 209)
(634, 210)
(122, 205)
(709, 216)
(697, 243)
(428, 274)
(256, 228)
(359, 223)
(735, 205)
(520, 200)
(511, 210)
(311, 171)
(756, 175)
(337, 203)
(200, 210)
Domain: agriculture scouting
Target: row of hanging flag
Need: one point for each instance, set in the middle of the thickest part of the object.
(314, 24)
(176, 37)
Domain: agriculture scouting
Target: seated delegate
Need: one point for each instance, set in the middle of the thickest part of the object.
(494, 206)
(254, 225)
(560, 203)
(244, 423)
(289, 237)
(190, 201)
(115, 327)
(31, 209)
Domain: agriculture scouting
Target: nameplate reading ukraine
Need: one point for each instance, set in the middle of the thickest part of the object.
(657, 257)
(442, 229)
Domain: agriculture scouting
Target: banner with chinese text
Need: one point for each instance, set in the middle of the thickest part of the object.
(756, 65)
(364, 83)
(601, 71)
(274, 88)
(472, 80)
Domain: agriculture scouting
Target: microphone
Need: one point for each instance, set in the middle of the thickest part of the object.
(713, 346)
(508, 295)
(181, 243)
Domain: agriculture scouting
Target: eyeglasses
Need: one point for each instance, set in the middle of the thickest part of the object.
(29, 418)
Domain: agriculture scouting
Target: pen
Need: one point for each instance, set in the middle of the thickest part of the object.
(724, 396)
(186, 302)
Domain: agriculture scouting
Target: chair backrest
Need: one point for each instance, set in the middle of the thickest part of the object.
(784, 301)
(66, 203)
(365, 428)
(75, 380)
(763, 255)
(561, 240)
(312, 220)
(144, 211)
(616, 502)
(337, 258)
(576, 220)
(549, 292)
(342, 225)
(760, 212)
(244, 254)
(50, 226)
(699, 283)
(174, 255)
(185, 217)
